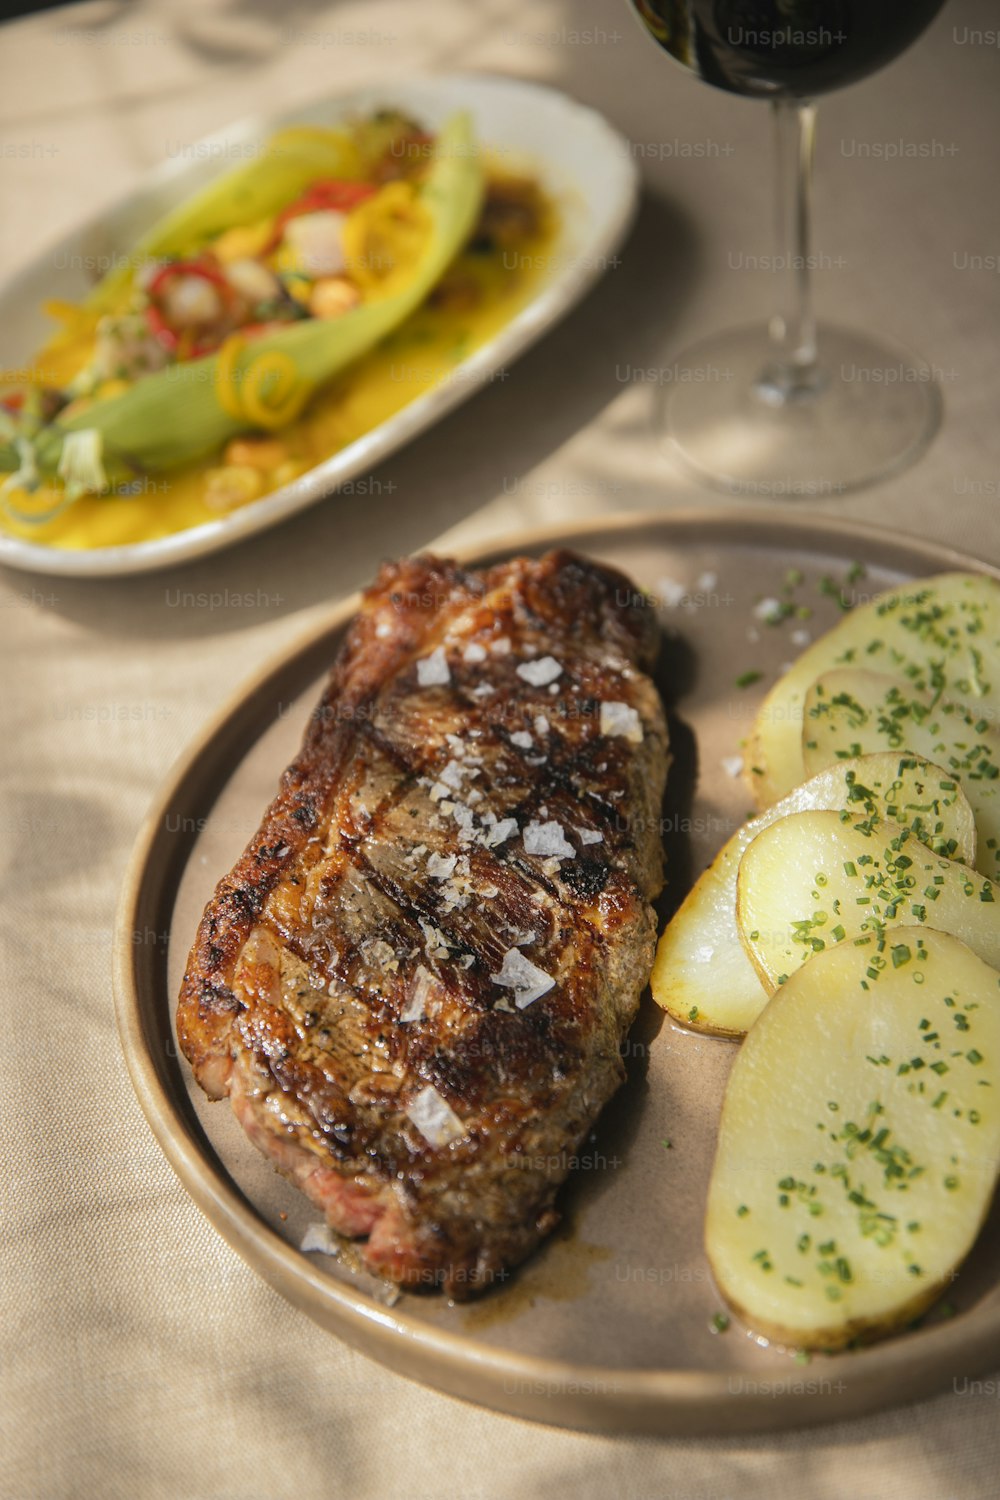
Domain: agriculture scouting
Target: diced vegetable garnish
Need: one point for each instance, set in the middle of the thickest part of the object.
(353, 260)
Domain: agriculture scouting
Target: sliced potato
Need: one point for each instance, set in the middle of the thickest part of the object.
(702, 974)
(859, 1142)
(816, 878)
(852, 712)
(948, 626)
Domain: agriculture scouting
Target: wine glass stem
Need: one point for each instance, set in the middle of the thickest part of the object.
(793, 374)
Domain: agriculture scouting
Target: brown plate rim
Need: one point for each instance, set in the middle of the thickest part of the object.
(588, 1397)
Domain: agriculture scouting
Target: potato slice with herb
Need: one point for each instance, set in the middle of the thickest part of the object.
(702, 974)
(859, 1141)
(814, 879)
(852, 712)
(943, 632)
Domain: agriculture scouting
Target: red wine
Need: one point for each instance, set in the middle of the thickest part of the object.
(791, 48)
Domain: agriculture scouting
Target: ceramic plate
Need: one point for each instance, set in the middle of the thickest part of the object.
(609, 1324)
(582, 162)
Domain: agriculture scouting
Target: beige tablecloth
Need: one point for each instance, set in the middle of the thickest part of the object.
(141, 1358)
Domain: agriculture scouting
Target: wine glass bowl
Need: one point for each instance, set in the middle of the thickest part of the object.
(799, 408)
(791, 48)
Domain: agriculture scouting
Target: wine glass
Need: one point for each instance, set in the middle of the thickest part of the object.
(795, 409)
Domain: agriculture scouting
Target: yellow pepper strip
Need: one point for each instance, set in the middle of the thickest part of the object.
(65, 353)
(36, 508)
(273, 394)
(243, 241)
(70, 314)
(385, 237)
(226, 391)
(266, 393)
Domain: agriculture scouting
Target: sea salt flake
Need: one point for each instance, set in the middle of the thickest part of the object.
(732, 765)
(541, 725)
(499, 832)
(474, 652)
(452, 899)
(707, 581)
(801, 637)
(432, 670)
(484, 690)
(423, 988)
(319, 1237)
(500, 647)
(551, 866)
(590, 836)
(453, 774)
(463, 817)
(381, 954)
(527, 981)
(435, 942)
(522, 739)
(383, 629)
(547, 839)
(541, 672)
(441, 867)
(621, 721)
(767, 610)
(434, 1117)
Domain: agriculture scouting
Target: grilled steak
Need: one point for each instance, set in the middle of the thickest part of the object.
(415, 982)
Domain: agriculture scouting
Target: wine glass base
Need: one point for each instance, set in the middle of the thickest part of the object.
(872, 412)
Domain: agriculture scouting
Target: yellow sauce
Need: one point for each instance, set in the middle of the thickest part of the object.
(422, 352)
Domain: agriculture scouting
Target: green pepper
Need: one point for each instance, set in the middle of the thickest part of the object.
(190, 410)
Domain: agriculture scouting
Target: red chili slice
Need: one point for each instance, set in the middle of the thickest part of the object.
(202, 268)
(325, 193)
(158, 324)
